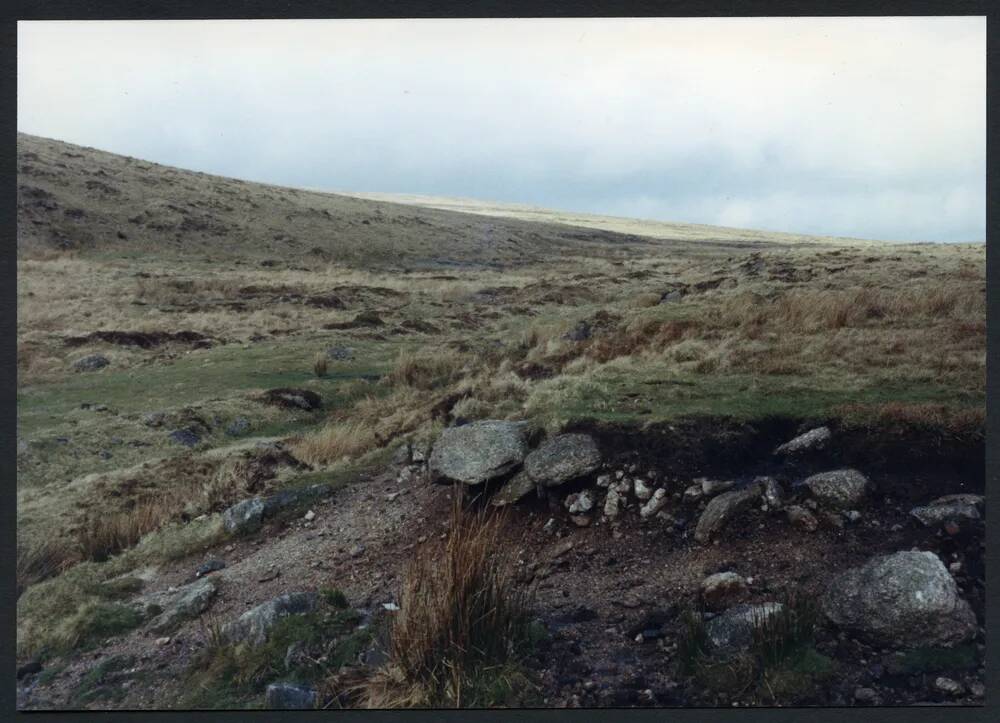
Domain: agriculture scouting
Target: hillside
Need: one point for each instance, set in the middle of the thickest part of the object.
(238, 402)
(70, 197)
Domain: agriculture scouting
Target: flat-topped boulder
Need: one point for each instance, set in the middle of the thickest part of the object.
(960, 507)
(906, 599)
(563, 458)
(811, 441)
(845, 489)
(478, 452)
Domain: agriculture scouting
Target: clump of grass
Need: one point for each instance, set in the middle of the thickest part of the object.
(106, 534)
(37, 561)
(427, 370)
(337, 441)
(320, 365)
(462, 621)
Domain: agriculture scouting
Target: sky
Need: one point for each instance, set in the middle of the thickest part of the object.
(864, 127)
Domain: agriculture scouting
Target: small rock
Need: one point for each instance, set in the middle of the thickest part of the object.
(91, 363)
(733, 630)
(357, 550)
(309, 516)
(958, 508)
(154, 419)
(978, 690)
(841, 489)
(187, 437)
(712, 487)
(802, 518)
(579, 502)
(340, 353)
(813, 440)
(771, 492)
(163, 641)
(245, 516)
(721, 590)
(285, 696)
(864, 696)
(238, 426)
(254, 626)
(563, 458)
(390, 606)
(604, 480)
(655, 504)
(852, 516)
(722, 509)
(948, 686)
(693, 493)
(580, 520)
(612, 504)
(209, 566)
(515, 489)
(550, 526)
(642, 490)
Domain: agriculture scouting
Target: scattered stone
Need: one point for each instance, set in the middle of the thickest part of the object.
(612, 504)
(732, 631)
(303, 399)
(550, 526)
(655, 504)
(243, 517)
(580, 332)
(948, 686)
(580, 520)
(390, 606)
(579, 503)
(238, 426)
(721, 590)
(813, 440)
(693, 493)
(253, 627)
(309, 516)
(957, 508)
(852, 516)
(802, 518)
(604, 480)
(293, 497)
(712, 487)
(91, 363)
(163, 641)
(561, 548)
(842, 488)
(563, 458)
(478, 452)
(865, 696)
(906, 599)
(771, 492)
(357, 551)
(170, 607)
(209, 567)
(978, 690)
(154, 419)
(720, 510)
(642, 490)
(285, 696)
(340, 353)
(515, 489)
(188, 436)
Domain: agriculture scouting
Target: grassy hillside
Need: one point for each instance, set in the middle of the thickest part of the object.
(659, 230)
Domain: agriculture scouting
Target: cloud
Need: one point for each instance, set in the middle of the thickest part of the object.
(865, 127)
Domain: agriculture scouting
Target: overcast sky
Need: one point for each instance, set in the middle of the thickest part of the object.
(858, 127)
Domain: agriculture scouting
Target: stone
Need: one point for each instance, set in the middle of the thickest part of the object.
(841, 489)
(240, 425)
(163, 641)
(865, 696)
(243, 517)
(712, 487)
(478, 452)
(285, 696)
(187, 436)
(722, 509)
(563, 458)
(166, 609)
(580, 332)
(801, 517)
(517, 488)
(948, 686)
(906, 599)
(253, 627)
(209, 566)
(771, 492)
(721, 590)
(340, 353)
(811, 441)
(693, 493)
(732, 631)
(853, 516)
(612, 504)
(154, 419)
(90, 363)
(357, 551)
(309, 516)
(642, 490)
(654, 505)
(579, 503)
(580, 520)
(604, 480)
(273, 504)
(30, 668)
(957, 508)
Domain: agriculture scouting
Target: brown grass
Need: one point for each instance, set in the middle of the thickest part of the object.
(320, 365)
(42, 560)
(461, 615)
(427, 369)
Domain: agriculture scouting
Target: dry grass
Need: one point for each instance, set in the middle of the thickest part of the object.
(320, 365)
(461, 616)
(427, 369)
(42, 560)
(106, 534)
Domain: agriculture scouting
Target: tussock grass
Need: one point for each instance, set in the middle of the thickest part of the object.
(462, 620)
(38, 561)
(427, 369)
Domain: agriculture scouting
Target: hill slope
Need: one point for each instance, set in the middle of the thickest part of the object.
(70, 197)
